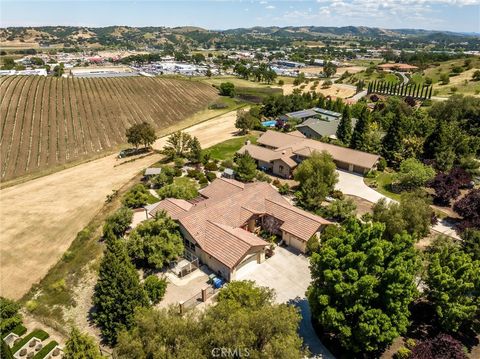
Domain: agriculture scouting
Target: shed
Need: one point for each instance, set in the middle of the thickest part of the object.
(228, 173)
(152, 171)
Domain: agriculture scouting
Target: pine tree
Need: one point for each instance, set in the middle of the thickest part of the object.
(439, 145)
(195, 151)
(392, 142)
(360, 131)
(246, 168)
(118, 291)
(81, 346)
(344, 130)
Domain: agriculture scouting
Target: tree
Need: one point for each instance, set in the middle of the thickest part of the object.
(362, 285)
(440, 145)
(227, 89)
(5, 352)
(413, 215)
(344, 130)
(245, 319)
(471, 242)
(136, 197)
(177, 145)
(9, 315)
(340, 209)
(155, 288)
(392, 142)
(134, 135)
(446, 188)
(246, 168)
(414, 174)
(195, 150)
(119, 221)
(118, 291)
(361, 128)
(469, 208)
(444, 78)
(141, 133)
(81, 346)
(476, 75)
(156, 242)
(317, 178)
(329, 69)
(183, 188)
(443, 346)
(245, 121)
(453, 279)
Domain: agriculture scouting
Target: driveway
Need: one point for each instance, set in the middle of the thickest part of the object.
(350, 183)
(288, 273)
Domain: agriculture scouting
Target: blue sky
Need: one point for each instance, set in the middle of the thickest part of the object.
(455, 15)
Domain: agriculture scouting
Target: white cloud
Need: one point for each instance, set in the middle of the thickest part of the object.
(270, 7)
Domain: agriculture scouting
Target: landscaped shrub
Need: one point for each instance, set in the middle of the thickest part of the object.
(382, 164)
(337, 194)
(179, 162)
(9, 315)
(211, 176)
(284, 189)
(136, 197)
(37, 333)
(155, 288)
(402, 353)
(313, 245)
(211, 166)
(193, 174)
(262, 176)
(227, 163)
(410, 343)
(45, 350)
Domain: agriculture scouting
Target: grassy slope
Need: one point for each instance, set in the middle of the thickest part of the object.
(226, 150)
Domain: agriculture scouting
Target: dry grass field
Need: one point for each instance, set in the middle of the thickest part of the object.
(49, 122)
(335, 90)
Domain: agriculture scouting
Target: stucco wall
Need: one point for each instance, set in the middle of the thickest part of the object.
(286, 173)
(294, 241)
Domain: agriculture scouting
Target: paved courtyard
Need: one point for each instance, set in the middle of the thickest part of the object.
(288, 273)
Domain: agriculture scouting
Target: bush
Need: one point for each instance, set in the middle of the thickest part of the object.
(284, 189)
(31, 305)
(136, 197)
(211, 176)
(184, 190)
(410, 343)
(414, 174)
(227, 163)
(402, 353)
(155, 288)
(382, 164)
(262, 176)
(9, 315)
(337, 194)
(227, 89)
(42, 353)
(313, 245)
(211, 166)
(194, 174)
(179, 162)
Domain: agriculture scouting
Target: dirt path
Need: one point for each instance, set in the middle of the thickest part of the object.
(40, 218)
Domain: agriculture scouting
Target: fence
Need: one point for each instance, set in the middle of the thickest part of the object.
(186, 266)
(200, 297)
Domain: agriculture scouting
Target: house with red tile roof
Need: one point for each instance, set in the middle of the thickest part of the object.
(280, 153)
(220, 228)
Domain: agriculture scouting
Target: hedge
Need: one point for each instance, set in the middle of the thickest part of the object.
(37, 333)
(19, 330)
(42, 353)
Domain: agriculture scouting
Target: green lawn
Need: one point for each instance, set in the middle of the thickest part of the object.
(383, 181)
(226, 150)
(374, 76)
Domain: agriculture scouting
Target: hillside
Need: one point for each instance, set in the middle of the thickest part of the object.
(47, 122)
(159, 37)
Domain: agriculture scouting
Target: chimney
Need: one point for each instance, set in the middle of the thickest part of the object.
(247, 142)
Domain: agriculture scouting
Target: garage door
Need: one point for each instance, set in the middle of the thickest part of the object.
(246, 267)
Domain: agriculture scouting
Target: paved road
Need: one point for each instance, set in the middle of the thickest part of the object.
(353, 184)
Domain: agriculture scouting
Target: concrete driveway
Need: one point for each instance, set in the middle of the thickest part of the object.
(288, 273)
(350, 183)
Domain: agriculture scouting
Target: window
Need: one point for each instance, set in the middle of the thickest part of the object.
(280, 168)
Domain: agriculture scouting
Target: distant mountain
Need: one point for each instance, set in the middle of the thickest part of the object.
(159, 37)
